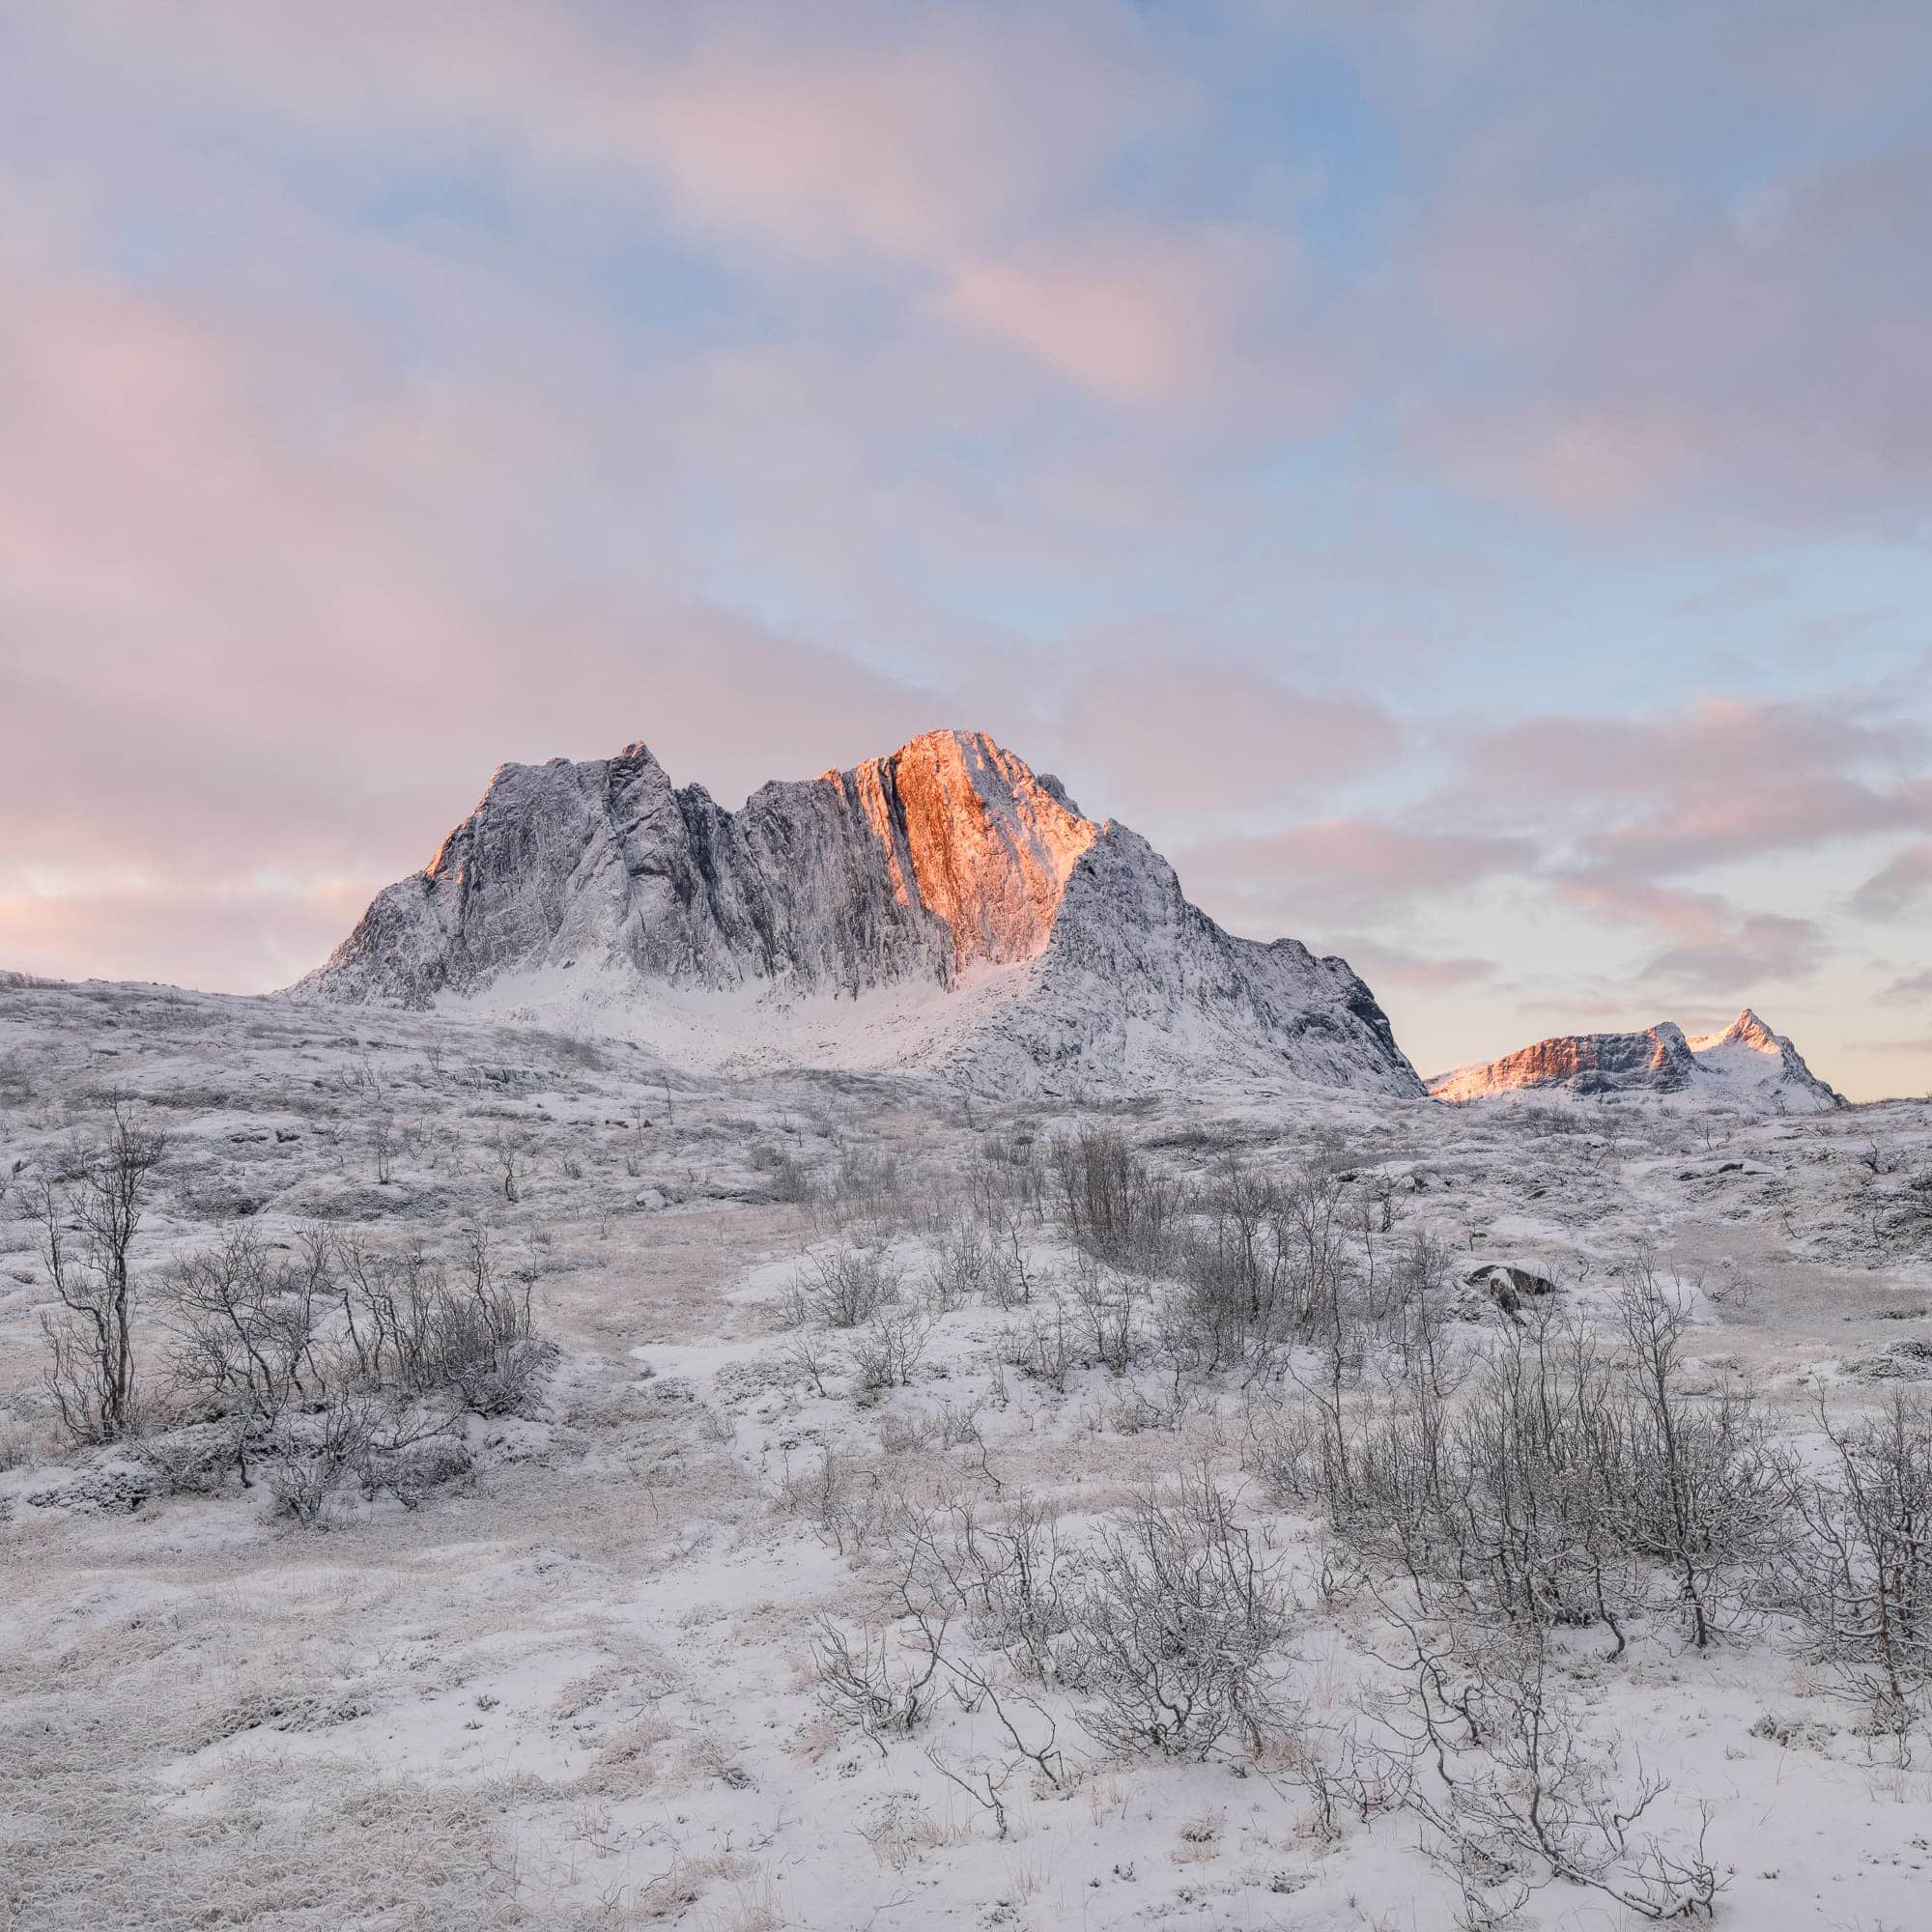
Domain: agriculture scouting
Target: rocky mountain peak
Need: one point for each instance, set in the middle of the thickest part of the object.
(987, 846)
(940, 907)
(1745, 1066)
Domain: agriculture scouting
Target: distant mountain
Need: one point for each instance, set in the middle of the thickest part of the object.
(942, 908)
(1746, 1065)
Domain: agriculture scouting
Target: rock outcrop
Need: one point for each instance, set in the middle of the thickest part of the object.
(1746, 1065)
(943, 908)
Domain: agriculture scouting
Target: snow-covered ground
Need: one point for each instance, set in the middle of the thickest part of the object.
(591, 1679)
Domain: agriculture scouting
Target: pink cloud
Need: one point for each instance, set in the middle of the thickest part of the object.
(1163, 735)
(1715, 945)
(1384, 964)
(1718, 779)
(1901, 885)
(1144, 314)
(1339, 865)
(1910, 989)
(1649, 355)
(914, 133)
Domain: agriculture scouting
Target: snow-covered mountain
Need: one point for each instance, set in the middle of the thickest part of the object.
(942, 908)
(1746, 1065)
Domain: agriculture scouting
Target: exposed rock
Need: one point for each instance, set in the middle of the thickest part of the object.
(942, 908)
(1746, 1065)
(1509, 1286)
(1901, 1362)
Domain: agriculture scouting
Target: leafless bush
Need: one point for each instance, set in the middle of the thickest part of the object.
(309, 1456)
(383, 1149)
(1008, 1172)
(1859, 1577)
(328, 1359)
(1514, 1793)
(16, 1085)
(510, 1147)
(962, 1268)
(847, 1504)
(1014, 1277)
(813, 1358)
(89, 1213)
(1507, 1503)
(1110, 1309)
(790, 1178)
(1269, 1263)
(878, 1682)
(888, 1350)
(17, 1444)
(845, 1285)
(1704, 1498)
(413, 1327)
(1176, 1630)
(246, 1325)
(1551, 1486)
(1043, 1346)
(1112, 1203)
(864, 1184)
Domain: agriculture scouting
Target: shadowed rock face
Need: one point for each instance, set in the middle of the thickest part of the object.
(1746, 1064)
(1016, 941)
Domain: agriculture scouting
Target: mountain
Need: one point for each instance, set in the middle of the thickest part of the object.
(1746, 1065)
(943, 908)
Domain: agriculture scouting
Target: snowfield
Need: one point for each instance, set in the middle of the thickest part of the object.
(856, 1503)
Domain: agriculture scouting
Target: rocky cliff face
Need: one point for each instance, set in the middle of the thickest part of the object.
(1746, 1065)
(942, 908)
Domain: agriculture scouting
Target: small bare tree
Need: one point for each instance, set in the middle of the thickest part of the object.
(1177, 1628)
(383, 1149)
(1514, 1792)
(88, 1223)
(1859, 1579)
(1704, 1499)
(511, 1150)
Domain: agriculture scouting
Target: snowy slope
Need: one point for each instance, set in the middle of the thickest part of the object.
(942, 908)
(1746, 1067)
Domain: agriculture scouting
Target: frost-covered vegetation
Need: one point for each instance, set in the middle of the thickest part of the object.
(452, 1476)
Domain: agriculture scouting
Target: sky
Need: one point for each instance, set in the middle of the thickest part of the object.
(1456, 475)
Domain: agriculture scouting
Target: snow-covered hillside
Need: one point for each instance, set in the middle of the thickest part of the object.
(1746, 1067)
(889, 1446)
(943, 908)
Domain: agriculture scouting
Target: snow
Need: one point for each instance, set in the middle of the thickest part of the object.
(578, 1690)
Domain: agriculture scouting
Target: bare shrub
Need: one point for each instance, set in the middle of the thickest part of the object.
(1177, 1629)
(790, 1178)
(413, 1327)
(1042, 1346)
(1859, 1577)
(17, 1444)
(888, 1350)
(1514, 1792)
(309, 1456)
(961, 1270)
(1704, 1499)
(1511, 1504)
(1112, 1203)
(328, 1360)
(875, 1682)
(89, 1219)
(510, 1147)
(1555, 1483)
(1109, 1305)
(845, 1285)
